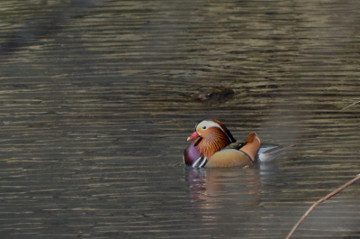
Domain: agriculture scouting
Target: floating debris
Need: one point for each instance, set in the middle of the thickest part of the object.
(216, 95)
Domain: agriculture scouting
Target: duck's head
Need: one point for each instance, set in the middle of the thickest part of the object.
(211, 136)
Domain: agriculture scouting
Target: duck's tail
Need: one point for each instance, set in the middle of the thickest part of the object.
(269, 153)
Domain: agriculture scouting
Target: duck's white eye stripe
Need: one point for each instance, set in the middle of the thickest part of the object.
(209, 124)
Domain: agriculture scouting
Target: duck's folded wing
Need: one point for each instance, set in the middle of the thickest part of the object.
(229, 158)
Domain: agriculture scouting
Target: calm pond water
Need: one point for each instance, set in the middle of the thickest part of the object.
(98, 98)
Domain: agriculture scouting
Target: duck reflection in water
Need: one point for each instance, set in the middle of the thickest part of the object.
(213, 187)
(227, 196)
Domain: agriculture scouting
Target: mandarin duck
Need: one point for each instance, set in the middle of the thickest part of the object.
(214, 146)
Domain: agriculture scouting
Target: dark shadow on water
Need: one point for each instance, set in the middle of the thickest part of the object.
(45, 24)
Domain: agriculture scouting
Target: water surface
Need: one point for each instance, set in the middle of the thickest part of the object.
(97, 103)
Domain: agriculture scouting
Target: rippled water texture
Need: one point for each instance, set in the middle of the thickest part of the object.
(98, 97)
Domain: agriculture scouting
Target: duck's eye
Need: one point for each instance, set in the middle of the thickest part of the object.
(204, 127)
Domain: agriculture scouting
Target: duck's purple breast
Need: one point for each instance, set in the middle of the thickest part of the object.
(191, 153)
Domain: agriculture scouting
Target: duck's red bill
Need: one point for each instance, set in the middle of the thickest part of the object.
(193, 136)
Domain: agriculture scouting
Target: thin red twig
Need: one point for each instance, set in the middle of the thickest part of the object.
(333, 193)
